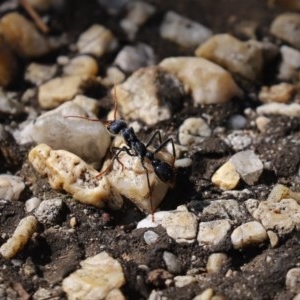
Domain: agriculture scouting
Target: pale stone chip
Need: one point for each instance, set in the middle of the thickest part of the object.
(183, 31)
(100, 277)
(96, 40)
(148, 94)
(207, 82)
(213, 233)
(226, 177)
(243, 58)
(61, 89)
(181, 226)
(26, 228)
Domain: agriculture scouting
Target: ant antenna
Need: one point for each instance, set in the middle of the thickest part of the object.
(114, 96)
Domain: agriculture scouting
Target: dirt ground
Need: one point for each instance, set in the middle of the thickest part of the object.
(57, 251)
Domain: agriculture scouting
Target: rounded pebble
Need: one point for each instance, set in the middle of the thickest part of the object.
(96, 40)
(172, 262)
(292, 280)
(248, 234)
(207, 82)
(243, 58)
(215, 262)
(23, 36)
(150, 237)
(89, 140)
(213, 233)
(183, 31)
(31, 204)
(62, 89)
(81, 65)
(287, 27)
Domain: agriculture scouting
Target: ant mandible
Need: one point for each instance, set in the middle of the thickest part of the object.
(134, 147)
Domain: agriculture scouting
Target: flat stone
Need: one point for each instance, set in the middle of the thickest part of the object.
(81, 65)
(248, 166)
(287, 28)
(89, 140)
(182, 281)
(11, 187)
(243, 58)
(226, 177)
(21, 236)
(193, 131)
(223, 209)
(215, 262)
(213, 233)
(148, 95)
(67, 171)
(96, 279)
(282, 217)
(291, 110)
(131, 58)
(39, 73)
(138, 12)
(183, 31)
(96, 40)
(281, 93)
(248, 234)
(181, 226)
(62, 89)
(207, 82)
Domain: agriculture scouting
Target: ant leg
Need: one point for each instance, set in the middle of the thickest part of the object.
(124, 148)
(156, 133)
(148, 183)
(163, 144)
(116, 154)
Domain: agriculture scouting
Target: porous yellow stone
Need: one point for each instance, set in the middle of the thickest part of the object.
(67, 171)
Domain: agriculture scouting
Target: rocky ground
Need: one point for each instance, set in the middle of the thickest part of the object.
(221, 79)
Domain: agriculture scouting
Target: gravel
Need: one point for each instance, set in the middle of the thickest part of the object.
(82, 217)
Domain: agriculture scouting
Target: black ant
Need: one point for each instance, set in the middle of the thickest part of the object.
(134, 147)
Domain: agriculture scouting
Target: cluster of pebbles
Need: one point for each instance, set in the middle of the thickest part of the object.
(237, 144)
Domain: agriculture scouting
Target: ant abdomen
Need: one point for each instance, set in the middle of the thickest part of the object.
(164, 171)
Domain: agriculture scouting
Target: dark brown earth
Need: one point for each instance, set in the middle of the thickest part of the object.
(57, 251)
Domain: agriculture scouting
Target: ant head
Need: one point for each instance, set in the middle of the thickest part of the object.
(163, 170)
(116, 126)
